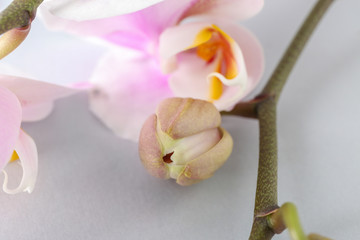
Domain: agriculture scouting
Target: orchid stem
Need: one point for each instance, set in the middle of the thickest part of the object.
(278, 79)
(18, 14)
(266, 188)
(265, 111)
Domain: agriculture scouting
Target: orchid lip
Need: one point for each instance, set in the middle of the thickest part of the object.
(26, 152)
(213, 44)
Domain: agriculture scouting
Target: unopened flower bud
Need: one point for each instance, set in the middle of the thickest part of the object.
(184, 141)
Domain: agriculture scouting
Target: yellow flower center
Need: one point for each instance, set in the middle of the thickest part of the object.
(212, 44)
(14, 157)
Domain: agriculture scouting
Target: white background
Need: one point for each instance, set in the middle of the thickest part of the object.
(91, 184)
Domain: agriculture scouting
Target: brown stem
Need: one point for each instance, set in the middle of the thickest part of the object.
(266, 190)
(246, 109)
(278, 79)
(18, 14)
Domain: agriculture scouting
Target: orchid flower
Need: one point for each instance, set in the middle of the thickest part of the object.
(23, 99)
(184, 141)
(188, 48)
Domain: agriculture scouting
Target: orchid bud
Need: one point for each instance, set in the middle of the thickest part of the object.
(184, 141)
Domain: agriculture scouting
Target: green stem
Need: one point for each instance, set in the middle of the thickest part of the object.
(278, 79)
(18, 14)
(266, 189)
(281, 73)
(244, 109)
(265, 110)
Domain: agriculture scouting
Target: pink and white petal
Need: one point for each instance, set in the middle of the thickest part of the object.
(153, 20)
(11, 70)
(249, 55)
(36, 112)
(231, 95)
(127, 91)
(189, 80)
(231, 9)
(80, 10)
(35, 95)
(137, 30)
(251, 50)
(26, 149)
(10, 120)
(103, 28)
(185, 80)
(177, 39)
(241, 77)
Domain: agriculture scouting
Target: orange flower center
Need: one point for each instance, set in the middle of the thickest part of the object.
(212, 44)
(14, 157)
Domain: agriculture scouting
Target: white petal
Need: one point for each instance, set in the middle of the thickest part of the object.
(27, 152)
(189, 148)
(94, 9)
(232, 9)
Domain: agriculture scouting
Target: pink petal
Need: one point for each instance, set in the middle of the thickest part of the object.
(190, 73)
(189, 80)
(126, 91)
(36, 97)
(80, 10)
(183, 38)
(234, 9)
(175, 40)
(139, 30)
(26, 149)
(10, 120)
(36, 112)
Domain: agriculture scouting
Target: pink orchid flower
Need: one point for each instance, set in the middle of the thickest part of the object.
(23, 100)
(188, 48)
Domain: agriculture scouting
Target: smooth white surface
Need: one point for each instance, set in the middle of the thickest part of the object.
(91, 185)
